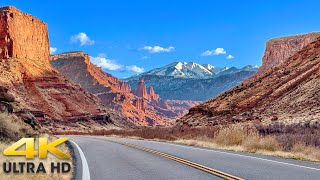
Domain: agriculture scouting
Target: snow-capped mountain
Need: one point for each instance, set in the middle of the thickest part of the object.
(193, 70)
(182, 70)
(192, 81)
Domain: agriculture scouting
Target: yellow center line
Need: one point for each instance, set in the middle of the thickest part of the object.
(180, 160)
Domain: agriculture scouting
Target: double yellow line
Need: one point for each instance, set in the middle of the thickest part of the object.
(183, 161)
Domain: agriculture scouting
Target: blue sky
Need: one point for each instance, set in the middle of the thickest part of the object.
(126, 37)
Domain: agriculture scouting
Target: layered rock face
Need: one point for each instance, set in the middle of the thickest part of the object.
(286, 93)
(143, 108)
(37, 87)
(280, 49)
(78, 68)
(22, 35)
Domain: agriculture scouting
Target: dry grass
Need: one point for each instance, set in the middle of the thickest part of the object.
(12, 128)
(289, 142)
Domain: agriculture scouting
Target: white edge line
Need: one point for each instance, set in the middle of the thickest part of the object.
(85, 167)
(279, 162)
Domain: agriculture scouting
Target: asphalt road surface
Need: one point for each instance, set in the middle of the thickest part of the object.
(110, 160)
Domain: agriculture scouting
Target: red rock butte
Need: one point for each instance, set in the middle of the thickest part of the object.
(22, 35)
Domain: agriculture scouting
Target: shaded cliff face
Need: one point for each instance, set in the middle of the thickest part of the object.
(280, 49)
(288, 93)
(78, 68)
(37, 87)
(141, 107)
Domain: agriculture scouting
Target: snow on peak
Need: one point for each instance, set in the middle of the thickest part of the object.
(208, 66)
(194, 70)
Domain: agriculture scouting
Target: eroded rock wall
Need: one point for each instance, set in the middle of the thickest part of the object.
(280, 49)
(22, 36)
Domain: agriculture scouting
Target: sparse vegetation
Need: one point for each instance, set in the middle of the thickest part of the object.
(294, 141)
(12, 128)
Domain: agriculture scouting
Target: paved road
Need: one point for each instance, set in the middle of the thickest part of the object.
(109, 160)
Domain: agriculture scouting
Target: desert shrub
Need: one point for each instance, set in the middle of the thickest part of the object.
(256, 142)
(233, 135)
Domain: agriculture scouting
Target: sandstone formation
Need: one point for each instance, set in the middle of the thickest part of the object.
(280, 49)
(78, 68)
(37, 87)
(22, 36)
(153, 95)
(143, 93)
(141, 107)
(287, 92)
(141, 90)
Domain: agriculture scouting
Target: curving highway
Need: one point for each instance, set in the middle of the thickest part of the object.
(121, 158)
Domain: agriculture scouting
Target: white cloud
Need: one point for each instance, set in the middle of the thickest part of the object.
(230, 56)
(53, 50)
(102, 61)
(106, 63)
(156, 49)
(82, 38)
(135, 69)
(214, 52)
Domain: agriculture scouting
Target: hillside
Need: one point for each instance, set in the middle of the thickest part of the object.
(285, 92)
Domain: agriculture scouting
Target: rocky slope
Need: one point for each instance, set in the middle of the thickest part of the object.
(172, 88)
(286, 91)
(39, 90)
(142, 107)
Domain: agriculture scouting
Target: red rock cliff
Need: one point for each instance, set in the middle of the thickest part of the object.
(78, 68)
(22, 35)
(280, 49)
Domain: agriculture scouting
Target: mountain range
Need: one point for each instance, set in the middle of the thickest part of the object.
(192, 81)
(193, 70)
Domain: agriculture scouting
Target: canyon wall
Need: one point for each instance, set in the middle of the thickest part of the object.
(22, 35)
(78, 68)
(280, 49)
